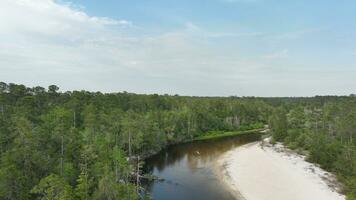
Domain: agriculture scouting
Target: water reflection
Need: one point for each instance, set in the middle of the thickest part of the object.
(187, 169)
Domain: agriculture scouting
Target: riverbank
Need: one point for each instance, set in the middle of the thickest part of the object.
(260, 171)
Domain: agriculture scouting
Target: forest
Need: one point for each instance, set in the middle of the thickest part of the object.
(81, 145)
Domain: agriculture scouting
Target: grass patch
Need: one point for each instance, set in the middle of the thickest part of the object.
(219, 134)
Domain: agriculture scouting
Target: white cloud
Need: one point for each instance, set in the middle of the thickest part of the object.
(241, 1)
(43, 42)
(299, 34)
(277, 55)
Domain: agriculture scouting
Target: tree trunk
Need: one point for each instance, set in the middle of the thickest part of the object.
(189, 127)
(129, 144)
(62, 154)
(86, 178)
(116, 162)
(74, 119)
(137, 175)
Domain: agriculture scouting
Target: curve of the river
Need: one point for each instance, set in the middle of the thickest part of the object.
(187, 169)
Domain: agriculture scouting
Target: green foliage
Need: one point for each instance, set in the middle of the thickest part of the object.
(278, 124)
(53, 187)
(84, 185)
(324, 150)
(109, 189)
(351, 193)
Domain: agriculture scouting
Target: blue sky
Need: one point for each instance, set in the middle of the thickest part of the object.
(187, 47)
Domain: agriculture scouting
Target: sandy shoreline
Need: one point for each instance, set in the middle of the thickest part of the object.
(262, 172)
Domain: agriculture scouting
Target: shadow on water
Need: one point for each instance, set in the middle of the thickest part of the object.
(187, 169)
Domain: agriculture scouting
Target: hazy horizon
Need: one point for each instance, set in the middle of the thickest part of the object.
(182, 95)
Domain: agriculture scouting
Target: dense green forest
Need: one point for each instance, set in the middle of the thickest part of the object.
(323, 128)
(82, 145)
(85, 145)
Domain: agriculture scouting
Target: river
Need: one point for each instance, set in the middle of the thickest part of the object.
(187, 169)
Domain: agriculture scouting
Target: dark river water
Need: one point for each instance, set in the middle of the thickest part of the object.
(187, 169)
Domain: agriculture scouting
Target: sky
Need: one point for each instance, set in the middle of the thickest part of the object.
(185, 47)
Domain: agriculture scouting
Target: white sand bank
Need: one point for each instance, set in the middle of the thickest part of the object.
(274, 173)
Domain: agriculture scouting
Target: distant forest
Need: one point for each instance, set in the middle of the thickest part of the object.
(81, 145)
